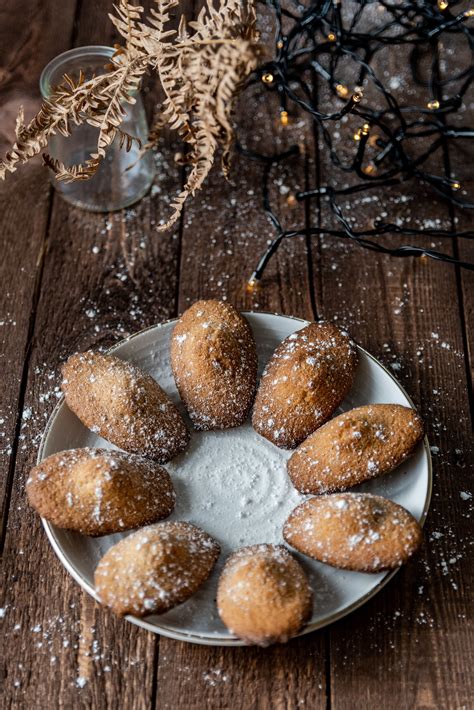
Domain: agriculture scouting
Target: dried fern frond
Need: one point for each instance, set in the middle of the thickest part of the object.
(200, 67)
(99, 101)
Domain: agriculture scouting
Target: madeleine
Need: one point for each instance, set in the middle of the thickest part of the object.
(124, 405)
(214, 363)
(99, 492)
(264, 595)
(354, 447)
(355, 531)
(155, 568)
(308, 376)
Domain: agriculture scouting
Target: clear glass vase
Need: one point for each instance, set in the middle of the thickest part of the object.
(122, 178)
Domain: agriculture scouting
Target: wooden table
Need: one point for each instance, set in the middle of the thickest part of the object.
(72, 280)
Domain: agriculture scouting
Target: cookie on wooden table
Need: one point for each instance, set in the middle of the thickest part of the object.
(214, 361)
(155, 568)
(264, 595)
(99, 492)
(354, 447)
(124, 405)
(355, 531)
(308, 376)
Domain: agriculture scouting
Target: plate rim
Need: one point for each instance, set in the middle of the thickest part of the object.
(207, 640)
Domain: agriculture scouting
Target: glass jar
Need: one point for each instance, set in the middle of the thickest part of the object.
(122, 178)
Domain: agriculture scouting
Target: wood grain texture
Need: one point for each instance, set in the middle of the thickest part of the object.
(25, 199)
(103, 277)
(402, 648)
(223, 234)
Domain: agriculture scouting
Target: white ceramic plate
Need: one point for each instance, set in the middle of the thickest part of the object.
(234, 485)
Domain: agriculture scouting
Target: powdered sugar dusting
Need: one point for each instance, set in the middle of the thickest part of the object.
(334, 589)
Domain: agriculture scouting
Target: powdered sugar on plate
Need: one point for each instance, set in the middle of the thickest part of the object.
(234, 485)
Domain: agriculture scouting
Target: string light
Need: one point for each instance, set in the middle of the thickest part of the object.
(310, 56)
(284, 118)
(252, 284)
(342, 90)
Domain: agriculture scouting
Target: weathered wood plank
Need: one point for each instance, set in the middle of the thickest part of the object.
(224, 233)
(104, 277)
(406, 647)
(24, 49)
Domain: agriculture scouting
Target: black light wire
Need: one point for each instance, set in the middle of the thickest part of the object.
(315, 41)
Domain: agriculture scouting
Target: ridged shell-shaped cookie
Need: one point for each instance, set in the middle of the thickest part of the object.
(124, 405)
(354, 447)
(214, 363)
(264, 595)
(155, 568)
(308, 376)
(99, 492)
(355, 531)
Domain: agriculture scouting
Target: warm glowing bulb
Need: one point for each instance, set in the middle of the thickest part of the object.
(456, 185)
(356, 136)
(442, 4)
(280, 44)
(365, 129)
(284, 118)
(267, 78)
(291, 200)
(331, 37)
(433, 105)
(252, 285)
(469, 13)
(369, 169)
(357, 97)
(342, 90)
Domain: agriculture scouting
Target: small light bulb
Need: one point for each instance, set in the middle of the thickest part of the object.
(342, 90)
(291, 200)
(280, 44)
(442, 4)
(284, 118)
(456, 185)
(433, 105)
(469, 13)
(369, 169)
(356, 136)
(365, 129)
(252, 284)
(267, 78)
(331, 37)
(357, 97)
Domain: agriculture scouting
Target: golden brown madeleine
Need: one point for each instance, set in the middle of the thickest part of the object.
(155, 568)
(354, 447)
(308, 376)
(356, 531)
(99, 492)
(214, 362)
(124, 405)
(264, 595)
